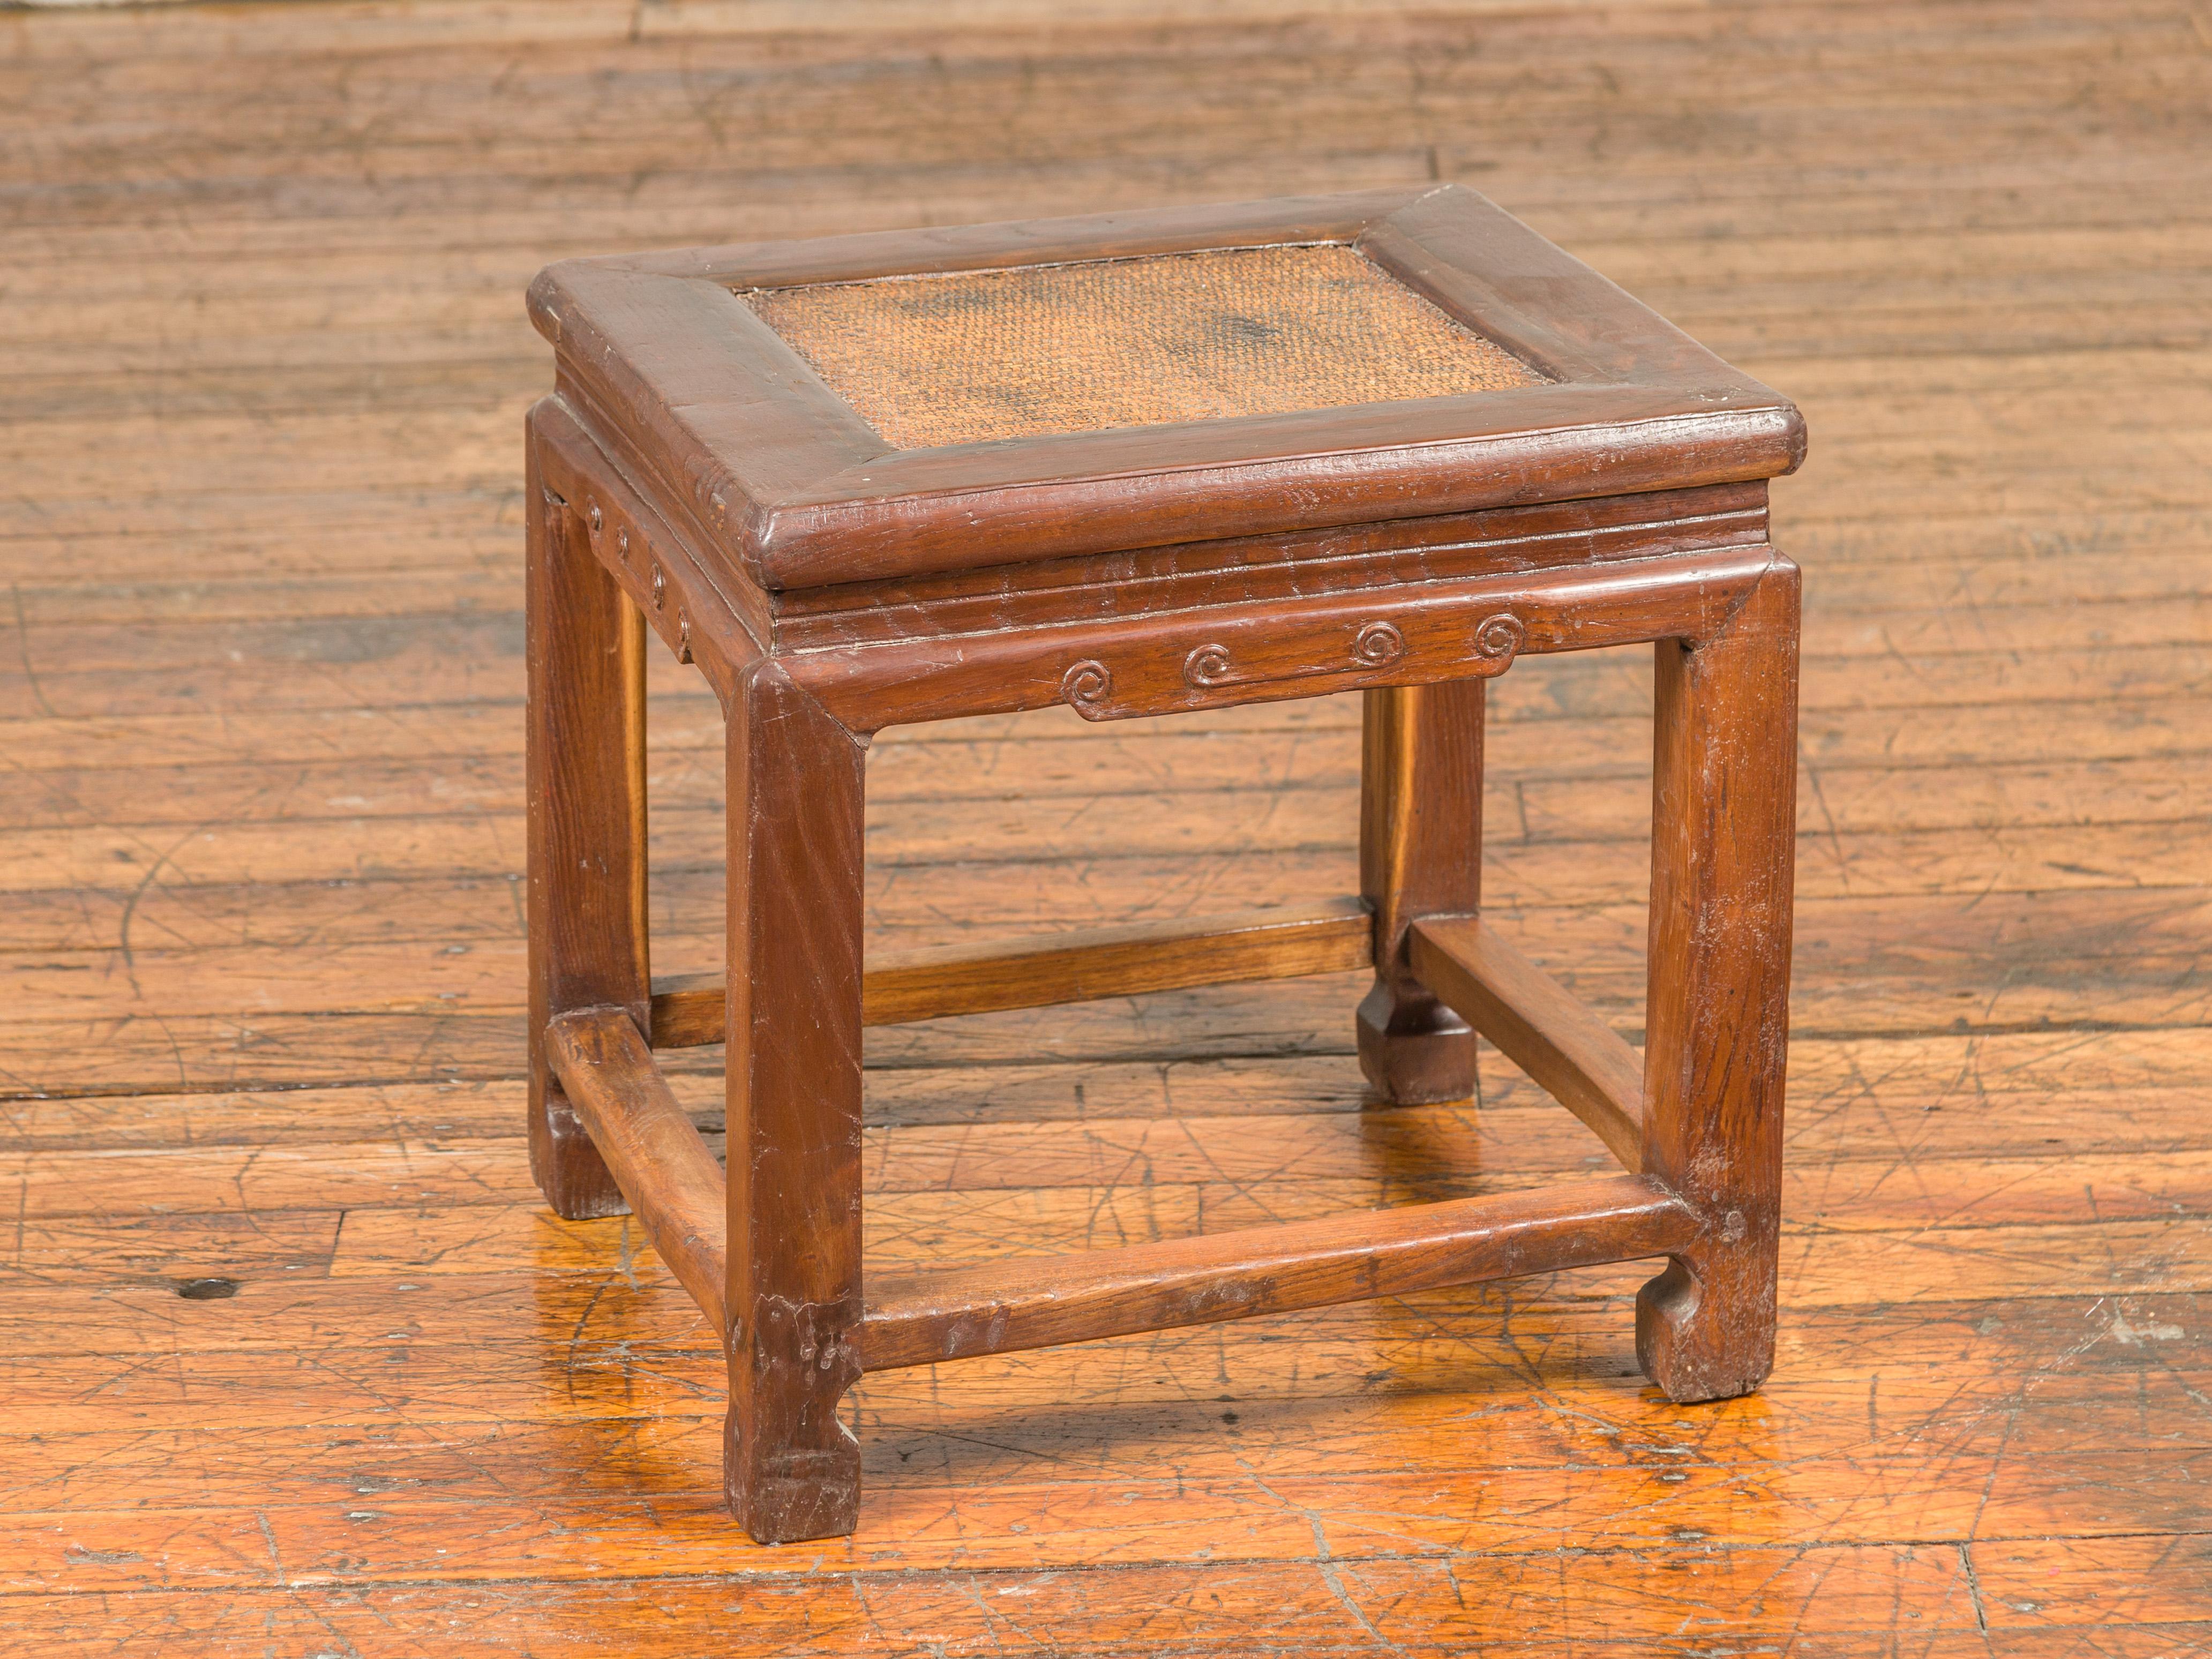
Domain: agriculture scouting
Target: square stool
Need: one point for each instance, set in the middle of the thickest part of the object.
(1139, 464)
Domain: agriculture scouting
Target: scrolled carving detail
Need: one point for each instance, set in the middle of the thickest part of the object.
(1379, 643)
(1209, 665)
(1497, 638)
(1085, 687)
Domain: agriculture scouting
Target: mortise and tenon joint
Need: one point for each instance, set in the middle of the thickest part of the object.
(1140, 465)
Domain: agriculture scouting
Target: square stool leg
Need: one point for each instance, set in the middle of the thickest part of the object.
(1723, 858)
(586, 765)
(792, 1469)
(1420, 853)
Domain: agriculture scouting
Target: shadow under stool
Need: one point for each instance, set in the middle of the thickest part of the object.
(1140, 464)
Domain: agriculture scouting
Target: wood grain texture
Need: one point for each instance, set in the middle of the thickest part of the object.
(1723, 843)
(1306, 639)
(792, 1468)
(1421, 852)
(262, 703)
(670, 1181)
(1079, 965)
(1538, 1025)
(628, 344)
(588, 930)
(1239, 1275)
(695, 386)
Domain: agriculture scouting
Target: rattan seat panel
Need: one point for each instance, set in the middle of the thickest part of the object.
(976, 356)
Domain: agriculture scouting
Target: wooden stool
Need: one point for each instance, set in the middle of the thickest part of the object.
(1140, 465)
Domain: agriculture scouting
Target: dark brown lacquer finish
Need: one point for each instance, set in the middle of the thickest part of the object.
(1525, 461)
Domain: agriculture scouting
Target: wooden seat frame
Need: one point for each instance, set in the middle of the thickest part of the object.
(1419, 614)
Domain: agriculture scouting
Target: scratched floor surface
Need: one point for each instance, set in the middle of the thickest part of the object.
(296, 1363)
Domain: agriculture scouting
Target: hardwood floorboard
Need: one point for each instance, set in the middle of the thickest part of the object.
(293, 1361)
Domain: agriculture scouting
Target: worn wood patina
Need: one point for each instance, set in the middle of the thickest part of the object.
(958, 437)
(299, 1362)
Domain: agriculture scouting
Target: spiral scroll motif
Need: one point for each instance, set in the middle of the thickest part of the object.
(1207, 666)
(1379, 644)
(1085, 686)
(1497, 638)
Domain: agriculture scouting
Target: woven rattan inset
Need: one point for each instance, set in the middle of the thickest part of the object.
(979, 356)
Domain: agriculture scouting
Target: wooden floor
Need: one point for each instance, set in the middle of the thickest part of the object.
(296, 1363)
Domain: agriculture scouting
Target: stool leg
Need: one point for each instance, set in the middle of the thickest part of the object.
(1723, 855)
(586, 765)
(1420, 853)
(792, 1469)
